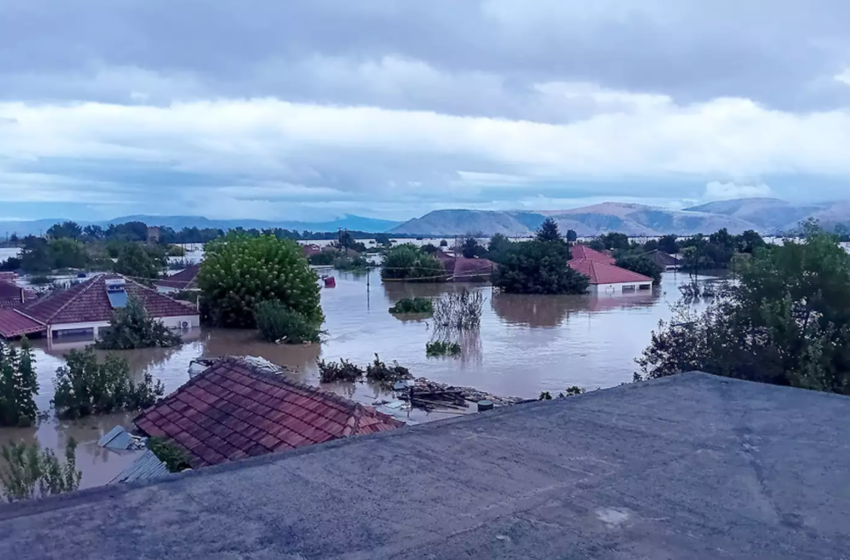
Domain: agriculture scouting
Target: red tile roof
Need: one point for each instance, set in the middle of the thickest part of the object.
(88, 302)
(463, 268)
(186, 279)
(234, 410)
(13, 324)
(603, 273)
(584, 252)
(12, 295)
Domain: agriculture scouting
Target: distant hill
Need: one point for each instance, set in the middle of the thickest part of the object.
(767, 214)
(631, 219)
(357, 223)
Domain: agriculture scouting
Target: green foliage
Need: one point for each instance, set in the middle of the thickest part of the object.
(83, 386)
(545, 396)
(614, 241)
(641, 265)
(40, 280)
(444, 243)
(331, 372)
(18, 385)
(277, 322)
(239, 272)
(442, 348)
(785, 321)
(667, 243)
(538, 267)
(67, 253)
(413, 305)
(458, 311)
(596, 244)
(498, 247)
(10, 264)
(570, 392)
(408, 262)
(430, 248)
(35, 255)
(325, 258)
(471, 249)
(175, 251)
(65, 230)
(383, 239)
(131, 328)
(380, 372)
(170, 453)
(135, 262)
(28, 473)
(572, 236)
(192, 296)
(346, 263)
(549, 231)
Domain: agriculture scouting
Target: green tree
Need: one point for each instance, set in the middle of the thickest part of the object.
(27, 472)
(84, 386)
(35, 255)
(667, 243)
(538, 267)
(383, 239)
(785, 321)
(68, 253)
(277, 322)
(93, 232)
(135, 262)
(641, 265)
(616, 241)
(65, 230)
(409, 262)
(471, 249)
(549, 231)
(18, 385)
(572, 236)
(498, 247)
(131, 328)
(240, 271)
(749, 241)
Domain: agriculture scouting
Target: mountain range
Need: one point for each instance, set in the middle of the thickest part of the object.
(765, 215)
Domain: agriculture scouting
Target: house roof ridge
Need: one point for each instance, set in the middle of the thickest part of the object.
(19, 312)
(82, 291)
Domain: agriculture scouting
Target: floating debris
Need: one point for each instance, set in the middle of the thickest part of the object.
(431, 395)
(119, 439)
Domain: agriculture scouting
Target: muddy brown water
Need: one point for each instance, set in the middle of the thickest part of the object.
(525, 345)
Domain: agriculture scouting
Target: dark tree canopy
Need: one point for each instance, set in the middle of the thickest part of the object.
(498, 247)
(410, 263)
(667, 243)
(549, 231)
(572, 236)
(472, 249)
(641, 265)
(135, 262)
(65, 230)
(785, 321)
(538, 267)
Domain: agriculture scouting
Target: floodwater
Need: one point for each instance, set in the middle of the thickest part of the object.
(525, 345)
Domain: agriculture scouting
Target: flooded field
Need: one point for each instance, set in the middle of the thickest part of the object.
(526, 344)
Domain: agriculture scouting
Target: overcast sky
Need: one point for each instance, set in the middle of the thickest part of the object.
(310, 109)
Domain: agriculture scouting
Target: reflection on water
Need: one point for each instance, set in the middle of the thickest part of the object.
(525, 345)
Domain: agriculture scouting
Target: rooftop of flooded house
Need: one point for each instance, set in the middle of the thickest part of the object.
(692, 466)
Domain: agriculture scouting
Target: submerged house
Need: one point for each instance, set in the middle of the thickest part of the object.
(463, 269)
(238, 409)
(186, 279)
(605, 276)
(87, 307)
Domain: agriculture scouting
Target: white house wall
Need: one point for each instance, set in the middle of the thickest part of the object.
(170, 322)
(602, 289)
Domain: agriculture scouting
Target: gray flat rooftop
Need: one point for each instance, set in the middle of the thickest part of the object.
(690, 467)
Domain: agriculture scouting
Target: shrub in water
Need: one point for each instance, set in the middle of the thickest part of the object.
(18, 385)
(441, 348)
(27, 472)
(459, 311)
(277, 322)
(339, 371)
(381, 372)
(84, 386)
(170, 453)
(131, 328)
(413, 305)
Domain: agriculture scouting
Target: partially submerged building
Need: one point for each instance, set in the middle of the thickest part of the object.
(185, 280)
(87, 307)
(236, 409)
(606, 278)
(12, 295)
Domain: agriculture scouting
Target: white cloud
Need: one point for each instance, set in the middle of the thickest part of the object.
(716, 190)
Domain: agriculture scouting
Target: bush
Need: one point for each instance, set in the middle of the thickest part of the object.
(412, 305)
(346, 263)
(32, 473)
(382, 373)
(325, 258)
(239, 272)
(18, 385)
(85, 387)
(459, 311)
(277, 322)
(131, 328)
(170, 453)
(538, 267)
(641, 265)
(410, 263)
(10, 264)
(192, 296)
(134, 261)
(175, 251)
(442, 348)
(444, 243)
(330, 372)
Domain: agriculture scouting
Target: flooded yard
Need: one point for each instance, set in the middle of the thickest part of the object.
(526, 344)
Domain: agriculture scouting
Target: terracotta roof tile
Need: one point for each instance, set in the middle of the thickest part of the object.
(88, 302)
(233, 410)
(580, 251)
(602, 273)
(186, 279)
(14, 323)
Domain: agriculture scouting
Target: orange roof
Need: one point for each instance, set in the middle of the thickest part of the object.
(604, 273)
(585, 252)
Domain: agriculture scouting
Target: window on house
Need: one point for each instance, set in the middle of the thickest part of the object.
(629, 288)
